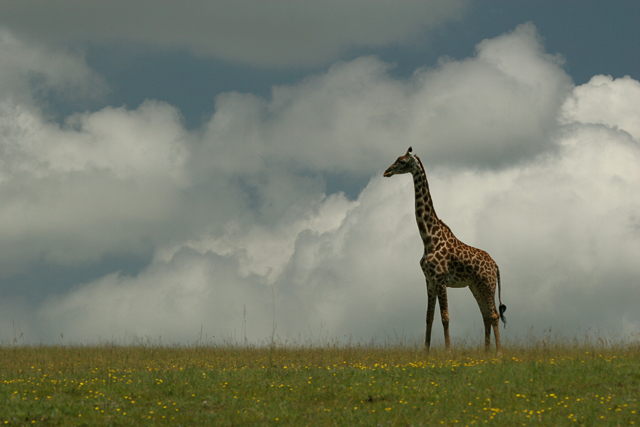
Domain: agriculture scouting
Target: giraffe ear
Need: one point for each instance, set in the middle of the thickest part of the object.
(409, 150)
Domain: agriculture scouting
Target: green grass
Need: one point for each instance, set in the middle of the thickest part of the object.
(146, 385)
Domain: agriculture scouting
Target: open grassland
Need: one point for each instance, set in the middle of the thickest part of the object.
(353, 385)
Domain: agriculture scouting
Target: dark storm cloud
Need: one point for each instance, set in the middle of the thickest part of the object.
(272, 34)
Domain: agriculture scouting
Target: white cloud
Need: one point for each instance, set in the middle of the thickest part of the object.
(496, 108)
(33, 70)
(237, 216)
(493, 109)
(105, 182)
(317, 267)
(568, 234)
(273, 34)
(606, 101)
(563, 230)
(129, 144)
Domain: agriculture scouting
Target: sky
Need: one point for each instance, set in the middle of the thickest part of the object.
(212, 173)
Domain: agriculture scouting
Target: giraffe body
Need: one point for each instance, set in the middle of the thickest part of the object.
(449, 263)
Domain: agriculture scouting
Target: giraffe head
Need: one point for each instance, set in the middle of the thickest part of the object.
(404, 164)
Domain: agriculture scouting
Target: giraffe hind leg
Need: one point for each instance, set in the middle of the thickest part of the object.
(496, 333)
(487, 334)
(491, 322)
(490, 316)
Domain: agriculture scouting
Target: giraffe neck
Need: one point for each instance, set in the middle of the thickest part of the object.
(426, 217)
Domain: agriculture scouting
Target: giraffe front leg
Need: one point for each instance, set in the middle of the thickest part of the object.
(444, 314)
(431, 308)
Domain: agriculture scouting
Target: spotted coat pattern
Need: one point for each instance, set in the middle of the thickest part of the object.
(448, 262)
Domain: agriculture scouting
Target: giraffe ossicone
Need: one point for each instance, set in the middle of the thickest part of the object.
(448, 262)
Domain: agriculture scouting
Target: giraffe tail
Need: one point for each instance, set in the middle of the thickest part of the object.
(502, 308)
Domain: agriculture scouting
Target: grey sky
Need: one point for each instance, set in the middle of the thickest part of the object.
(176, 167)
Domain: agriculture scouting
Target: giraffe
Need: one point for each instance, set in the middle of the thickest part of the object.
(447, 262)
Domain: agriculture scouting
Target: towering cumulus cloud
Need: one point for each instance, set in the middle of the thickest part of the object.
(244, 241)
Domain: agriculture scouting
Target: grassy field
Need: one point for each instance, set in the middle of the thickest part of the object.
(387, 386)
